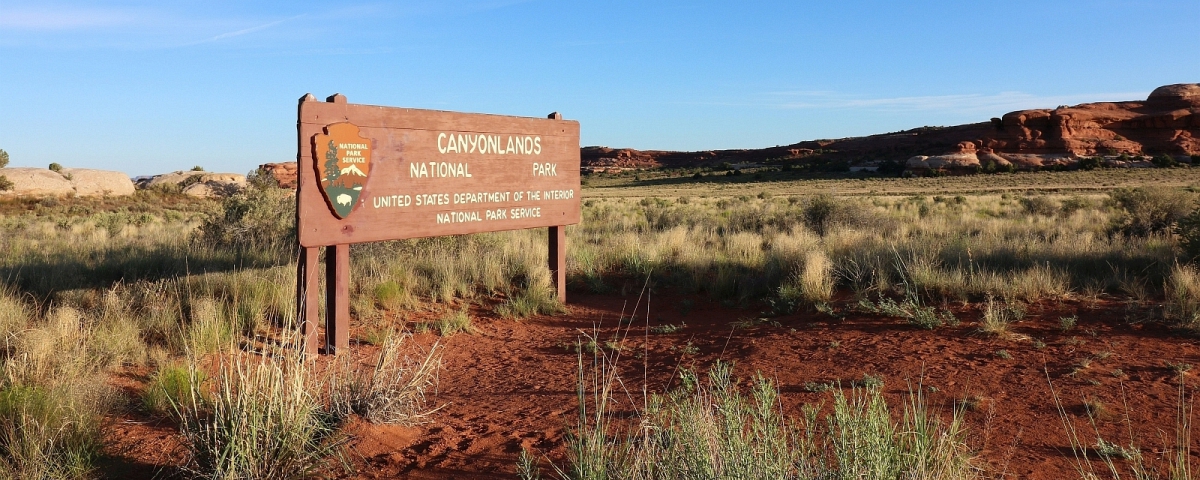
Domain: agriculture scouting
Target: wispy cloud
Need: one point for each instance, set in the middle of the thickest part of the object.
(65, 18)
(244, 31)
(965, 103)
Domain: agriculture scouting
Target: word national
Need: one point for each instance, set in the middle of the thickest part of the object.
(489, 144)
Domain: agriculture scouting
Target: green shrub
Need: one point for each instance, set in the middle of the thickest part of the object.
(170, 388)
(1039, 205)
(5, 184)
(1074, 204)
(257, 221)
(1164, 161)
(1188, 230)
(3, 158)
(820, 213)
(56, 168)
(1147, 211)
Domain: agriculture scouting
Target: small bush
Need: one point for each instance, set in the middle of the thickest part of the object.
(1074, 204)
(1039, 205)
(1188, 230)
(390, 295)
(3, 158)
(257, 221)
(5, 184)
(56, 168)
(1149, 211)
(1164, 161)
(820, 213)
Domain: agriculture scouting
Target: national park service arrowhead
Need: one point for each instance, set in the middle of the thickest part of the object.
(343, 164)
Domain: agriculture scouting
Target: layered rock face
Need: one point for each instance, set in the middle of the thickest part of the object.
(283, 173)
(1166, 122)
(83, 182)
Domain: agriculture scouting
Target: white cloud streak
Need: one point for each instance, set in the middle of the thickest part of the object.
(244, 31)
(65, 18)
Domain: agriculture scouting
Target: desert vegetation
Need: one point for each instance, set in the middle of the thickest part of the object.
(195, 298)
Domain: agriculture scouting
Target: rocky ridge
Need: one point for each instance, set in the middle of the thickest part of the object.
(1167, 122)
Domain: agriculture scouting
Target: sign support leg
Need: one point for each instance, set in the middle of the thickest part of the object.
(337, 298)
(558, 261)
(307, 308)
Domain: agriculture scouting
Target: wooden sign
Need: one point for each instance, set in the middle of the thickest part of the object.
(427, 173)
(369, 173)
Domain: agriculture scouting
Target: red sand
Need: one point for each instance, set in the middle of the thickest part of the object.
(512, 384)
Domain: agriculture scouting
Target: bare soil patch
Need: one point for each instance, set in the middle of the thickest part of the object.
(512, 384)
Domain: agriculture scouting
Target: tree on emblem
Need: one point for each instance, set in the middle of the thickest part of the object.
(332, 171)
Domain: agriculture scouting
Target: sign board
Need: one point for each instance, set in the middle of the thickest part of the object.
(370, 173)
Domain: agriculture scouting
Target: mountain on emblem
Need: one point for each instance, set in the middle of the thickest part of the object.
(343, 164)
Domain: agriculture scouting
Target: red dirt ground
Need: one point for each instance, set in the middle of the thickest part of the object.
(512, 383)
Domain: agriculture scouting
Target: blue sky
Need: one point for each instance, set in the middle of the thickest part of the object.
(148, 87)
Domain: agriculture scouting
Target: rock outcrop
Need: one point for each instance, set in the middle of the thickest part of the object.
(36, 182)
(83, 182)
(89, 182)
(197, 184)
(284, 173)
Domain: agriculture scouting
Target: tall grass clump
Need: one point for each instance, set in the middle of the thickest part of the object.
(262, 419)
(1183, 296)
(394, 391)
(998, 317)
(52, 393)
(170, 387)
(710, 429)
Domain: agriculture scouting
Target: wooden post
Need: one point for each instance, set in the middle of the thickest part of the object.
(558, 261)
(337, 298)
(307, 308)
(558, 249)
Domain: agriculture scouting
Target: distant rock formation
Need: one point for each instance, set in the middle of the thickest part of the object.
(197, 184)
(1166, 123)
(283, 173)
(82, 182)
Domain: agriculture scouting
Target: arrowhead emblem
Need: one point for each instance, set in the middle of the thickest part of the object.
(343, 164)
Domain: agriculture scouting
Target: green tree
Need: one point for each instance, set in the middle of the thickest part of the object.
(3, 158)
(332, 172)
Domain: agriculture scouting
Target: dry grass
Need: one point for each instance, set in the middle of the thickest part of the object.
(394, 391)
